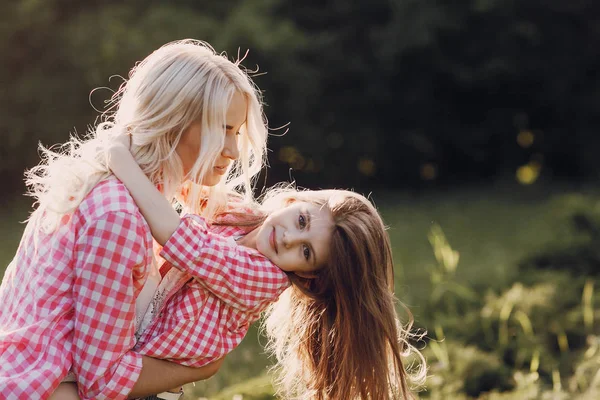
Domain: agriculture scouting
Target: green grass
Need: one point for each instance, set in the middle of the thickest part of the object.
(493, 229)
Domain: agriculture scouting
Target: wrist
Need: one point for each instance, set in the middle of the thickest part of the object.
(119, 155)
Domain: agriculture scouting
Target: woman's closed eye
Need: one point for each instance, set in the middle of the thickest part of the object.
(229, 129)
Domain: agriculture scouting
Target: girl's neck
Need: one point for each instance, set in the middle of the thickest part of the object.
(249, 240)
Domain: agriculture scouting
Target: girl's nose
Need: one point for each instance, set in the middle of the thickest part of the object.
(289, 238)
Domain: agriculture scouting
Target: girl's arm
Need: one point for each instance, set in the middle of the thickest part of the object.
(160, 215)
(239, 277)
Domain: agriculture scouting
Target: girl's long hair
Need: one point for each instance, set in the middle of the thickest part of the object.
(178, 84)
(338, 336)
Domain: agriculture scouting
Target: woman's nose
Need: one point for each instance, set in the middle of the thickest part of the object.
(230, 149)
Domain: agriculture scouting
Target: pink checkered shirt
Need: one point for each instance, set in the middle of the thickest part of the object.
(71, 304)
(216, 291)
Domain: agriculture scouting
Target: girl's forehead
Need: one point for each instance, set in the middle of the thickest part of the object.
(308, 199)
(304, 203)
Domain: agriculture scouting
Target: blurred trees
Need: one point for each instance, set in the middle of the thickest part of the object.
(378, 92)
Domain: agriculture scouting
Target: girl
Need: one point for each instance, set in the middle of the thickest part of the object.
(334, 331)
(68, 296)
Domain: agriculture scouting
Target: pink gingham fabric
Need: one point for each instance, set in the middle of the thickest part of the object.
(69, 302)
(222, 288)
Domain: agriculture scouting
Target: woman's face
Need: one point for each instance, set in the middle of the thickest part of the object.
(297, 238)
(188, 147)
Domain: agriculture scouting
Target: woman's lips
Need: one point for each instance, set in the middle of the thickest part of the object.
(221, 170)
(273, 241)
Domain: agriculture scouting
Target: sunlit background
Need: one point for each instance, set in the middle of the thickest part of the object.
(472, 125)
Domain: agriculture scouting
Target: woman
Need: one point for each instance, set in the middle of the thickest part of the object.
(69, 294)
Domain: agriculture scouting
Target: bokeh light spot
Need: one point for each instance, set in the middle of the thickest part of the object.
(528, 173)
(428, 171)
(292, 157)
(525, 139)
(366, 166)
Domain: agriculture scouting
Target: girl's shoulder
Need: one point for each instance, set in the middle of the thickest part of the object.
(238, 213)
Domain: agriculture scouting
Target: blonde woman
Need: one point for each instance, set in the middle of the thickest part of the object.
(68, 296)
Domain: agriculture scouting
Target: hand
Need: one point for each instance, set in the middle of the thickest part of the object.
(119, 142)
(157, 375)
(123, 139)
(65, 391)
(117, 147)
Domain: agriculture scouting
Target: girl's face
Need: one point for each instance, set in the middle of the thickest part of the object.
(188, 147)
(297, 238)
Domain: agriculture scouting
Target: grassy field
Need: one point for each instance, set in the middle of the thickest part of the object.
(493, 230)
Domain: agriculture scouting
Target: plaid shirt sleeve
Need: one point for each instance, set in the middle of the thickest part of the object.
(241, 277)
(110, 266)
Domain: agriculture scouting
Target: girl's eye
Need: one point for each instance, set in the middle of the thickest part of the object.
(306, 252)
(238, 133)
(302, 221)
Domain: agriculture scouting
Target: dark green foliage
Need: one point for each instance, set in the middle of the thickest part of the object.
(385, 92)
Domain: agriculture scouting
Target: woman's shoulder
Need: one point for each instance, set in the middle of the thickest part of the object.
(108, 196)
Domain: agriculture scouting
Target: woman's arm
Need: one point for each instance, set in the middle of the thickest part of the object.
(160, 215)
(105, 264)
(156, 375)
(159, 375)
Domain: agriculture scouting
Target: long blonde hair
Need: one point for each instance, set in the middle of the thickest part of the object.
(337, 336)
(178, 84)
